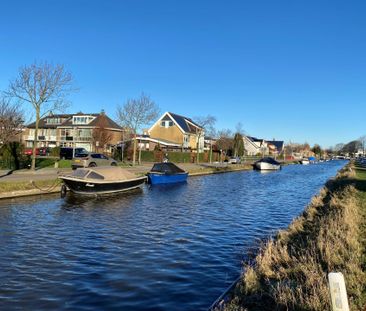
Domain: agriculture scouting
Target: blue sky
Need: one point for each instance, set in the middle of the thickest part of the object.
(292, 70)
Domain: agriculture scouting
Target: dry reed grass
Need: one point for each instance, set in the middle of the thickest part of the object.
(290, 271)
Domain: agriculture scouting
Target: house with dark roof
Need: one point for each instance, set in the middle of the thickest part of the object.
(275, 146)
(178, 130)
(93, 131)
(254, 146)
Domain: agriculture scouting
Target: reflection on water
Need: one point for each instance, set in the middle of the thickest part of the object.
(173, 247)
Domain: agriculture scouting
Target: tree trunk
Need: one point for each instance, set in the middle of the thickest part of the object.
(35, 139)
(139, 155)
(211, 152)
(13, 147)
(134, 150)
(198, 151)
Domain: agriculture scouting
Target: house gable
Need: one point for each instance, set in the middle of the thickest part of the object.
(168, 129)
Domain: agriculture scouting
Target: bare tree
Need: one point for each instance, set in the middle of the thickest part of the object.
(101, 136)
(135, 114)
(239, 129)
(45, 87)
(206, 124)
(225, 141)
(362, 140)
(11, 120)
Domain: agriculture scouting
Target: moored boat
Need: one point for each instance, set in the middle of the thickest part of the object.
(101, 180)
(166, 173)
(267, 163)
(305, 161)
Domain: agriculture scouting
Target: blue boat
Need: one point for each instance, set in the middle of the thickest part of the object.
(166, 173)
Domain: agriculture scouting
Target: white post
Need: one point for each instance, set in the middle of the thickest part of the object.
(338, 292)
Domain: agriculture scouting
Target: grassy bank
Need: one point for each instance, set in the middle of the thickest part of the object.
(216, 170)
(27, 185)
(290, 271)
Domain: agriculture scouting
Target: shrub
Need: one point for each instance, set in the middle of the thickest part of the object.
(55, 152)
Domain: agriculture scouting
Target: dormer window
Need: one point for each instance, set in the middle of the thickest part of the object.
(82, 119)
(53, 120)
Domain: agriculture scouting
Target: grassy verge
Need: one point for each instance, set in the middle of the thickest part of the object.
(27, 185)
(290, 271)
(212, 170)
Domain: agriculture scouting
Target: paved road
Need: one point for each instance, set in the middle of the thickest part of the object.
(52, 173)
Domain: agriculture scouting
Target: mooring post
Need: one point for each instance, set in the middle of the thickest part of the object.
(338, 292)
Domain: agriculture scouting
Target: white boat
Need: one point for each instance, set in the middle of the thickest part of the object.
(305, 162)
(267, 164)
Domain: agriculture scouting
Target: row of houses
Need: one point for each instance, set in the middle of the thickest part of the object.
(96, 130)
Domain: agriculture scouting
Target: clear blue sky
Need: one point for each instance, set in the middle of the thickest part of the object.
(292, 70)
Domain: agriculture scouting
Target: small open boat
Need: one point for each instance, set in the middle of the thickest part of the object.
(101, 180)
(166, 173)
(267, 164)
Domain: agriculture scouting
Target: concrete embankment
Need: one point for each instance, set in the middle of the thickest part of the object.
(27, 183)
(290, 271)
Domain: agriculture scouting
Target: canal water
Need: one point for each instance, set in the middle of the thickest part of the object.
(162, 248)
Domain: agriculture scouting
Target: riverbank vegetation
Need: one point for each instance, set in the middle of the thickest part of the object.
(8, 187)
(290, 271)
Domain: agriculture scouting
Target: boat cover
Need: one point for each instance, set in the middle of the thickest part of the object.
(106, 173)
(269, 160)
(166, 168)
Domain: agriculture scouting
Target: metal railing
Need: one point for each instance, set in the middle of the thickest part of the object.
(76, 138)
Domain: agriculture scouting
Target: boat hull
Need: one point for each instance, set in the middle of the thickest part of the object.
(156, 179)
(91, 188)
(305, 162)
(267, 166)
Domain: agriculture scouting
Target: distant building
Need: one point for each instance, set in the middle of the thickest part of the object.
(258, 146)
(90, 131)
(275, 147)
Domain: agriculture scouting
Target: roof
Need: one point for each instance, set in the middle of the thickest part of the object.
(108, 122)
(277, 143)
(186, 124)
(157, 140)
(43, 124)
(255, 139)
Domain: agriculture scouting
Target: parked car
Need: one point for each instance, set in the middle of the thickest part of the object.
(39, 151)
(68, 152)
(234, 160)
(91, 160)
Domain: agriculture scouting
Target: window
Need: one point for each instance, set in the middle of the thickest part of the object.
(65, 132)
(82, 119)
(53, 120)
(166, 124)
(96, 156)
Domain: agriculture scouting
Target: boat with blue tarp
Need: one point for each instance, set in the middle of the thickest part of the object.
(166, 173)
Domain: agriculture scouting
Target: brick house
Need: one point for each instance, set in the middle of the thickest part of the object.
(92, 131)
